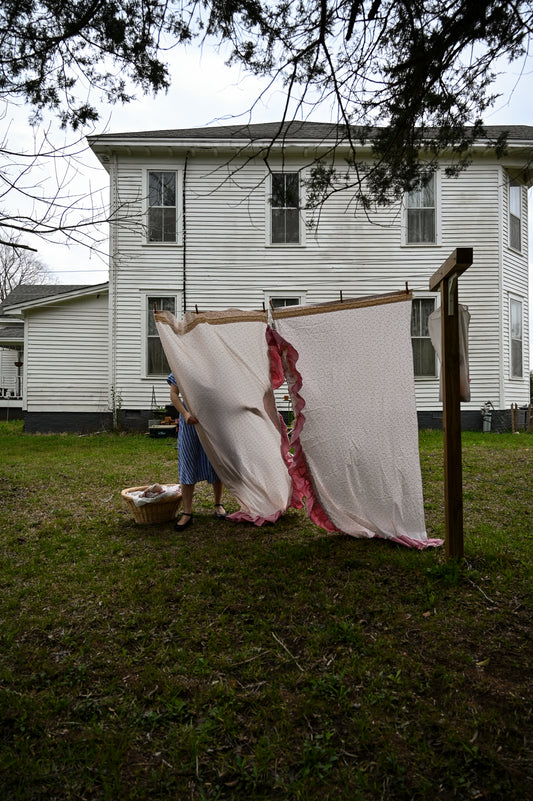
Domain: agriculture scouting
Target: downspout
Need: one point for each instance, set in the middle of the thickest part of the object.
(184, 232)
(503, 212)
(113, 393)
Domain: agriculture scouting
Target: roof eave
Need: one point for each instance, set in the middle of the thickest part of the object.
(49, 300)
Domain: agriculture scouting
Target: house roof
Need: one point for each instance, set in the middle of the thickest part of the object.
(25, 296)
(12, 335)
(25, 292)
(289, 131)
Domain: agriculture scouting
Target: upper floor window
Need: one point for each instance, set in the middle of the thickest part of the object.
(515, 216)
(285, 208)
(423, 351)
(516, 339)
(421, 213)
(162, 206)
(156, 361)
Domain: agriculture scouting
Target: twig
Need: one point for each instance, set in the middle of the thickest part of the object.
(286, 649)
(495, 603)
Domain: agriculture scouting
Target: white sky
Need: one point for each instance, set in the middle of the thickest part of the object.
(204, 90)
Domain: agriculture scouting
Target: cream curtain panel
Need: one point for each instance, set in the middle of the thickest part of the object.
(221, 363)
(349, 367)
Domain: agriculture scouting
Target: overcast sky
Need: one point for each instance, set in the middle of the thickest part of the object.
(205, 91)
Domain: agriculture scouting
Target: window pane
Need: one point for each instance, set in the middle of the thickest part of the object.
(154, 189)
(157, 361)
(169, 188)
(169, 225)
(292, 225)
(515, 237)
(514, 200)
(161, 304)
(516, 358)
(278, 225)
(278, 303)
(420, 225)
(278, 189)
(422, 196)
(155, 225)
(292, 195)
(423, 357)
(421, 310)
(516, 319)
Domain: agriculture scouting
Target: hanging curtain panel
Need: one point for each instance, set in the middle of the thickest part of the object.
(349, 367)
(221, 363)
(435, 332)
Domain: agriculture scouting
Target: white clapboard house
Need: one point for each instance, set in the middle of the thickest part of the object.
(216, 217)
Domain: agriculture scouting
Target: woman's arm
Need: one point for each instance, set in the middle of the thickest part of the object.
(178, 405)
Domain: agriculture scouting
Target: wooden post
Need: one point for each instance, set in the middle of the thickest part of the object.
(446, 279)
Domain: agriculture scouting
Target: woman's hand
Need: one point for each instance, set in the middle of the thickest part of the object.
(190, 419)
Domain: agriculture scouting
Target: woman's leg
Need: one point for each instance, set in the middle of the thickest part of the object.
(218, 489)
(187, 494)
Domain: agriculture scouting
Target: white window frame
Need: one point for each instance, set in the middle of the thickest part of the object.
(435, 298)
(146, 204)
(146, 295)
(288, 294)
(512, 216)
(301, 218)
(520, 302)
(436, 207)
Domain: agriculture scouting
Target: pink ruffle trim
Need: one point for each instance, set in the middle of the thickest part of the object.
(283, 352)
(242, 517)
(297, 465)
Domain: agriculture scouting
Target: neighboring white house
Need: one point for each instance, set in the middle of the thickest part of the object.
(216, 218)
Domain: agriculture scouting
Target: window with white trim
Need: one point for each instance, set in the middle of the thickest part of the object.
(279, 303)
(424, 357)
(516, 320)
(421, 213)
(276, 300)
(162, 206)
(156, 361)
(515, 216)
(285, 208)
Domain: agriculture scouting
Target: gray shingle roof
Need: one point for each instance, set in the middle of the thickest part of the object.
(25, 292)
(11, 332)
(291, 131)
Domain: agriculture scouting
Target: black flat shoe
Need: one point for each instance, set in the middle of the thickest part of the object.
(181, 526)
(220, 515)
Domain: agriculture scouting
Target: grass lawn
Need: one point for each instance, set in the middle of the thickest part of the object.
(235, 662)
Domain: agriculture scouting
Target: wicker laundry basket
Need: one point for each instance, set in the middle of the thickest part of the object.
(156, 512)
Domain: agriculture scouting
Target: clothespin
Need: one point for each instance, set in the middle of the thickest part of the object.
(407, 287)
(340, 293)
(196, 307)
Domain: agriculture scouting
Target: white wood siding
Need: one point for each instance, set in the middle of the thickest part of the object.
(514, 285)
(66, 361)
(228, 261)
(8, 371)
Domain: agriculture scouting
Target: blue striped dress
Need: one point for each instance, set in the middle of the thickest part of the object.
(193, 464)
